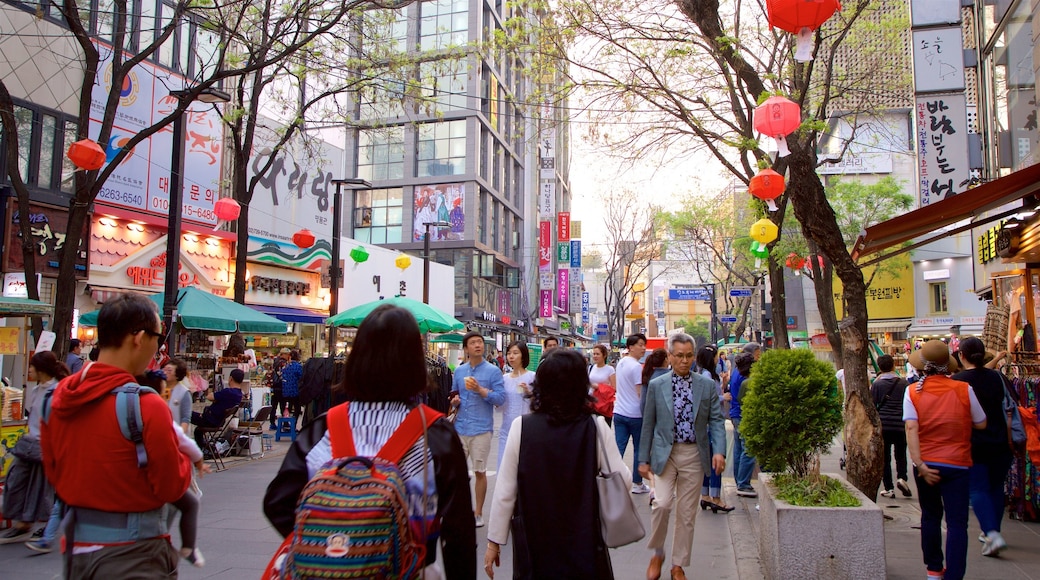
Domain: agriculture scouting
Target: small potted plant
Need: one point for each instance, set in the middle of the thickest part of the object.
(812, 525)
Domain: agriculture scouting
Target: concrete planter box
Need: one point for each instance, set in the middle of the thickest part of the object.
(820, 542)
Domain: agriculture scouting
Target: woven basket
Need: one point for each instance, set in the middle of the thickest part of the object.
(994, 331)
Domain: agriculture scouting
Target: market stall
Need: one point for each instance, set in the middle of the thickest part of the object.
(14, 341)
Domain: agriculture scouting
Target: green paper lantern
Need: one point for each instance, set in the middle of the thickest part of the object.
(359, 254)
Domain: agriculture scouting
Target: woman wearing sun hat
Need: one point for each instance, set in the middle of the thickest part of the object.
(940, 413)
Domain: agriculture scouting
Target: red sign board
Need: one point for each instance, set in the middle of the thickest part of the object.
(563, 226)
(544, 244)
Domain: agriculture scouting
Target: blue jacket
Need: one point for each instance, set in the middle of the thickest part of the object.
(655, 444)
(735, 379)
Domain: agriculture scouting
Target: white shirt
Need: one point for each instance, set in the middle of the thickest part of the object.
(601, 374)
(629, 377)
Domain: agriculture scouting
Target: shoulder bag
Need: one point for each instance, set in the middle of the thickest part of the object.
(619, 521)
(1016, 430)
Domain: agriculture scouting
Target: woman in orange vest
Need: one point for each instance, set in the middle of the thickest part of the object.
(940, 414)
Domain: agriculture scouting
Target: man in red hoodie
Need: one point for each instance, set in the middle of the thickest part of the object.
(118, 529)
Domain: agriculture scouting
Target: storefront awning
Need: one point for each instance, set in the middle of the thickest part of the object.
(286, 314)
(879, 326)
(922, 224)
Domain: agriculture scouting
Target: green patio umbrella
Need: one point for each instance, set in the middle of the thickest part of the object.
(454, 339)
(198, 310)
(429, 318)
(10, 306)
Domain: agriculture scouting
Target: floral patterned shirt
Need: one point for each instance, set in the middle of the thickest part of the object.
(682, 398)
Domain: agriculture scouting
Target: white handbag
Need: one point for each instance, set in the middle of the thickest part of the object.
(619, 521)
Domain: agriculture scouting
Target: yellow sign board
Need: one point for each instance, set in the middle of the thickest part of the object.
(9, 339)
(891, 292)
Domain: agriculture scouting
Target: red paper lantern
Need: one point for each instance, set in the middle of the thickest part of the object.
(505, 320)
(801, 17)
(767, 185)
(303, 238)
(86, 154)
(778, 117)
(227, 209)
(796, 263)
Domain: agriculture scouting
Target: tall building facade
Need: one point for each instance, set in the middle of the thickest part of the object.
(451, 148)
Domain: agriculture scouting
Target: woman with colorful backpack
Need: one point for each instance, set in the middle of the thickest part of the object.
(380, 466)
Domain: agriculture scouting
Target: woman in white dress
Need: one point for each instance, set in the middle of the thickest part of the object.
(518, 389)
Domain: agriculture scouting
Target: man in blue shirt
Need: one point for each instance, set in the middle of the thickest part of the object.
(477, 389)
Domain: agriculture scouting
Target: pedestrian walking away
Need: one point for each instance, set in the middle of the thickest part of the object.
(940, 413)
(543, 501)
(887, 391)
(115, 487)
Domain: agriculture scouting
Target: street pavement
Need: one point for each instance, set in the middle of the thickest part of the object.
(238, 541)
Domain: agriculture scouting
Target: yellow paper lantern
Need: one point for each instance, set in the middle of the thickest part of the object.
(764, 231)
(403, 261)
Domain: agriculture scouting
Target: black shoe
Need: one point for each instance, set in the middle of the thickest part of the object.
(747, 492)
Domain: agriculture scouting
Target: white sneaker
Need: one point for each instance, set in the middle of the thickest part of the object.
(903, 487)
(982, 537)
(994, 544)
(888, 493)
(640, 488)
(480, 521)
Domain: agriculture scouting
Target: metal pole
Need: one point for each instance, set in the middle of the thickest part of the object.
(334, 273)
(426, 265)
(714, 318)
(173, 231)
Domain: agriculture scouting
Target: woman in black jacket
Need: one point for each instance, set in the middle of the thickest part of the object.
(990, 453)
(384, 374)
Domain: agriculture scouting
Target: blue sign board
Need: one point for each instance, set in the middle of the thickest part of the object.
(727, 319)
(576, 254)
(741, 292)
(584, 306)
(689, 294)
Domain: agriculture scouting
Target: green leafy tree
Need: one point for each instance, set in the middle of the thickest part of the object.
(791, 411)
(697, 327)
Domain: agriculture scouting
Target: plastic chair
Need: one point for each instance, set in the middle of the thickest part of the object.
(280, 423)
(212, 434)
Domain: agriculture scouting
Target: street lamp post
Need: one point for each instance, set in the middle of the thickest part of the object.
(173, 225)
(714, 314)
(334, 273)
(426, 258)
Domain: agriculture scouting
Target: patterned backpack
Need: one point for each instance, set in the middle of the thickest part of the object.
(352, 518)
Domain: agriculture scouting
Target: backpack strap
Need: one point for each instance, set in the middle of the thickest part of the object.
(402, 439)
(128, 415)
(340, 433)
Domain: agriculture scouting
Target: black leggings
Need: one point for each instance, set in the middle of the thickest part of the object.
(188, 505)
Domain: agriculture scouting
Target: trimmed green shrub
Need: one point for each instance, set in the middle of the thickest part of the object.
(791, 410)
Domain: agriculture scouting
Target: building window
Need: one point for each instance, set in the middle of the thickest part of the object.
(377, 215)
(444, 23)
(381, 154)
(43, 138)
(442, 148)
(937, 292)
(442, 85)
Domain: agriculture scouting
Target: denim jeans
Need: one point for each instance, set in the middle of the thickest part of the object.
(712, 486)
(986, 482)
(949, 497)
(623, 428)
(50, 533)
(743, 464)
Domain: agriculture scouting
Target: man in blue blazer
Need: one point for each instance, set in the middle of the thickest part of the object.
(681, 407)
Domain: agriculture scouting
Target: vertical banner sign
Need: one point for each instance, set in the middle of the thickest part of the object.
(563, 226)
(546, 280)
(942, 135)
(563, 254)
(575, 252)
(584, 307)
(575, 297)
(544, 245)
(575, 230)
(547, 200)
(563, 288)
(545, 303)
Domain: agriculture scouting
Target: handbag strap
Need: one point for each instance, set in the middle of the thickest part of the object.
(601, 453)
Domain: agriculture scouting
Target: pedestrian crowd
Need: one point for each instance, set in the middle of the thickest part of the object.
(379, 485)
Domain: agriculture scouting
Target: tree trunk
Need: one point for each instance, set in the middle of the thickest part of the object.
(240, 193)
(863, 441)
(778, 296)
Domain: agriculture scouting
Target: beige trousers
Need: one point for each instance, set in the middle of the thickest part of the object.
(680, 485)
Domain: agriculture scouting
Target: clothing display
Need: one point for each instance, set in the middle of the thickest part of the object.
(1022, 488)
